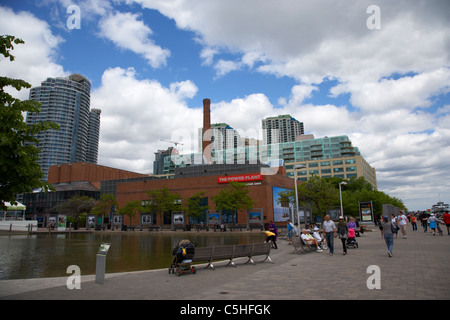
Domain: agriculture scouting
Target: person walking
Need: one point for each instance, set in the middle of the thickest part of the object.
(446, 219)
(352, 224)
(424, 220)
(432, 221)
(403, 223)
(329, 230)
(413, 222)
(343, 234)
(290, 231)
(387, 232)
(394, 223)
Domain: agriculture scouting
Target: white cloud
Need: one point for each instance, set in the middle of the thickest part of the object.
(408, 92)
(36, 59)
(207, 55)
(225, 66)
(128, 32)
(184, 89)
(392, 76)
(137, 114)
(243, 114)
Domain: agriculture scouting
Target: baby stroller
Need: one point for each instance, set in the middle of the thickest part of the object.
(182, 258)
(351, 241)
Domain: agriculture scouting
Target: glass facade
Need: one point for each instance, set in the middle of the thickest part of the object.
(325, 157)
(66, 101)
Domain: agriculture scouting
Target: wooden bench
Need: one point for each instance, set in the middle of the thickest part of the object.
(299, 245)
(230, 252)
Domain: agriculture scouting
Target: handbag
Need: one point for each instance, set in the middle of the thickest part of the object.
(394, 228)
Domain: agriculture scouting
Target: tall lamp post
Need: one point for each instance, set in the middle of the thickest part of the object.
(340, 196)
(299, 166)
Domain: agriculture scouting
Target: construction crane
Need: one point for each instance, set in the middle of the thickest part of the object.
(176, 143)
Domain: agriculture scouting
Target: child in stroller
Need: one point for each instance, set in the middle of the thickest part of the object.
(351, 242)
(182, 258)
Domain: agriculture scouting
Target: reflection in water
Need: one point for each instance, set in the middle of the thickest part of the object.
(45, 255)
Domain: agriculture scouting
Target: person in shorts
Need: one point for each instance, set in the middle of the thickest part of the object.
(402, 223)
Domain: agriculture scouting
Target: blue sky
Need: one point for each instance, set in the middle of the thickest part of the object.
(152, 62)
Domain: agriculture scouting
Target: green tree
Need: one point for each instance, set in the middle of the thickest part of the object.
(319, 193)
(192, 205)
(74, 207)
(162, 202)
(234, 198)
(19, 170)
(357, 190)
(131, 208)
(104, 206)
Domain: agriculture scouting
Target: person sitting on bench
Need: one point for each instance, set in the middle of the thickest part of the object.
(309, 240)
(319, 239)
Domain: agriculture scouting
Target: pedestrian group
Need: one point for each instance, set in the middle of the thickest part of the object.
(389, 228)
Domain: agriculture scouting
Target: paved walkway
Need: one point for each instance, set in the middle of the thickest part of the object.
(419, 269)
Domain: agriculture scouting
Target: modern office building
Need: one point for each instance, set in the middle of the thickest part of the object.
(158, 163)
(66, 101)
(93, 136)
(223, 136)
(283, 128)
(325, 157)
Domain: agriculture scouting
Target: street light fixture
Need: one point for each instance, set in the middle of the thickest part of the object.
(340, 196)
(299, 166)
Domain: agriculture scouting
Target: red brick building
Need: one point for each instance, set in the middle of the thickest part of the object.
(127, 186)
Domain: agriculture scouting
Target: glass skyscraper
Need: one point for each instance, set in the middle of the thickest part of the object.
(324, 157)
(66, 101)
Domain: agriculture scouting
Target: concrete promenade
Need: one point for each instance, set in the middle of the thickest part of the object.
(419, 269)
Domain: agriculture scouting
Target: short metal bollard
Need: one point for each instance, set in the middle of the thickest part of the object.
(101, 263)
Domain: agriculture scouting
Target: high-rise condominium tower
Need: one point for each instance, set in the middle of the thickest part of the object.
(66, 101)
(281, 129)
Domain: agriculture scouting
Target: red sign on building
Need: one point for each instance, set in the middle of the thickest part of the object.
(240, 178)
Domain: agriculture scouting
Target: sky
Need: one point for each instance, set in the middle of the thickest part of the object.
(376, 71)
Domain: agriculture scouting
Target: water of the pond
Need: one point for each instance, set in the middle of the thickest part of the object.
(49, 255)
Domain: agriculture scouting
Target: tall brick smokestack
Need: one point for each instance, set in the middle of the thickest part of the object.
(206, 149)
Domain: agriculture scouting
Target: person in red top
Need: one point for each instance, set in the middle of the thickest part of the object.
(413, 222)
(446, 219)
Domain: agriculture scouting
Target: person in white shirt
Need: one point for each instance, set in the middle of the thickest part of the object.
(329, 228)
(308, 239)
(317, 236)
(402, 223)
